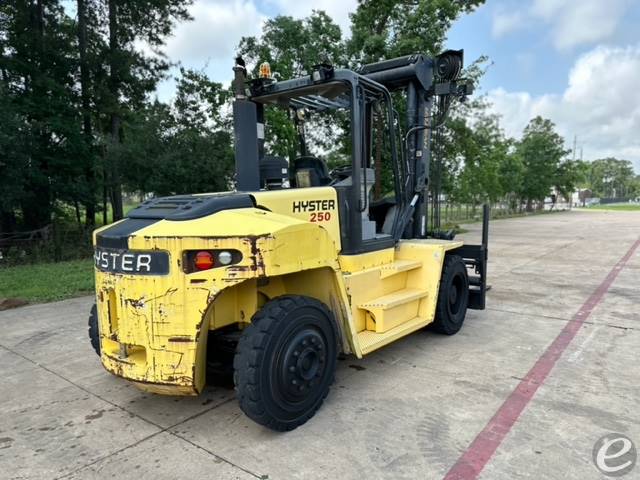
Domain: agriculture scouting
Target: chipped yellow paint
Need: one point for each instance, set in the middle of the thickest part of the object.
(160, 320)
(153, 329)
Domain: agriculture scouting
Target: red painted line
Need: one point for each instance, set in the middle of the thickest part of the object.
(474, 459)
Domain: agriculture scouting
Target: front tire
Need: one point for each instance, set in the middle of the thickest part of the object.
(453, 296)
(285, 362)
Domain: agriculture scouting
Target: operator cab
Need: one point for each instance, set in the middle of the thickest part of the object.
(345, 100)
(383, 190)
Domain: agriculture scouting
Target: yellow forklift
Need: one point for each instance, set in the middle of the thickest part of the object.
(298, 264)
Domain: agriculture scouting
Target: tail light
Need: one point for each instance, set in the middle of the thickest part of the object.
(201, 260)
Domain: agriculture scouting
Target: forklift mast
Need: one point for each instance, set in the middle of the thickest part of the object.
(431, 84)
(424, 80)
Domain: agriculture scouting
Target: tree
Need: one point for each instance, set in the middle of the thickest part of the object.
(132, 75)
(86, 45)
(382, 29)
(181, 148)
(385, 29)
(540, 150)
(473, 151)
(14, 160)
(569, 175)
(37, 63)
(292, 47)
(67, 87)
(511, 173)
(610, 177)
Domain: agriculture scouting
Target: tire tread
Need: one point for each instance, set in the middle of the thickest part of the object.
(250, 354)
(94, 329)
(441, 323)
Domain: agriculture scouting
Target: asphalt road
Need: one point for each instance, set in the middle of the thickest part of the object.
(523, 391)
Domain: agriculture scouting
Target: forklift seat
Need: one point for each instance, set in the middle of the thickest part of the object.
(310, 171)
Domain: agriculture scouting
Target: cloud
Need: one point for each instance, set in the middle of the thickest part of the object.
(601, 104)
(577, 22)
(209, 41)
(572, 22)
(215, 31)
(506, 22)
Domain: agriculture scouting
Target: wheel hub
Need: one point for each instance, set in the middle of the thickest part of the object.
(303, 364)
(453, 295)
(308, 364)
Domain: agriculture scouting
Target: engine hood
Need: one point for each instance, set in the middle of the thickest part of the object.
(177, 208)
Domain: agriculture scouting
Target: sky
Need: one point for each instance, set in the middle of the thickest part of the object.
(576, 62)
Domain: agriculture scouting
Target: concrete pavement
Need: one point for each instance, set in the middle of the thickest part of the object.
(407, 411)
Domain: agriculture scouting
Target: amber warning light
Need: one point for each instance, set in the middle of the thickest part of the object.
(265, 70)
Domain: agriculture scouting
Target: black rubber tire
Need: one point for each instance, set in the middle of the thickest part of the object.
(285, 362)
(94, 332)
(453, 296)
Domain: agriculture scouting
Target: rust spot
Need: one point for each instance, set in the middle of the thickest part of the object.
(239, 268)
(135, 303)
(256, 255)
(181, 339)
(119, 364)
(193, 377)
(185, 381)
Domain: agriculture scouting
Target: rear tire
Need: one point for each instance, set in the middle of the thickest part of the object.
(453, 296)
(285, 362)
(94, 332)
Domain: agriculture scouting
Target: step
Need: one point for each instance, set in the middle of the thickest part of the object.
(370, 341)
(394, 299)
(386, 312)
(398, 266)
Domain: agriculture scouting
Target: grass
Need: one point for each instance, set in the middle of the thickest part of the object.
(445, 227)
(618, 207)
(47, 282)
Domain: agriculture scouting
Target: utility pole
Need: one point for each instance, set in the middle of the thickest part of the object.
(575, 142)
